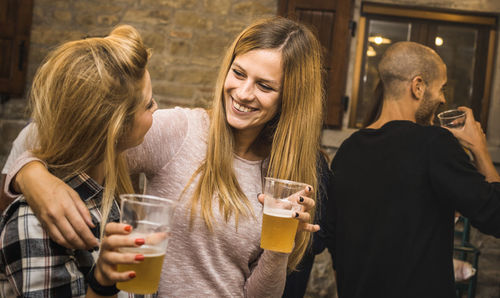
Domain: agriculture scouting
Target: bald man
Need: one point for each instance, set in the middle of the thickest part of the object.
(397, 183)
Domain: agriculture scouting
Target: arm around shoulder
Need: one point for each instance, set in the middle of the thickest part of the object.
(56, 205)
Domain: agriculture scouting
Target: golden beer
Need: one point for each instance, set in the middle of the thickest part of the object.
(278, 230)
(147, 272)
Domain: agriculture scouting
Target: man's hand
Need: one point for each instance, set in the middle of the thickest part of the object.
(473, 138)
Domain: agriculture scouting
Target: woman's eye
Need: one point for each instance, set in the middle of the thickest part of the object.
(266, 87)
(238, 73)
(150, 104)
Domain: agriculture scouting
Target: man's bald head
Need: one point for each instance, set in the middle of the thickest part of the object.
(405, 60)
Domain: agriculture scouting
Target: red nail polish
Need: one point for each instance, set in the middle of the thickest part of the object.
(309, 188)
(139, 257)
(131, 274)
(128, 228)
(301, 199)
(296, 214)
(139, 241)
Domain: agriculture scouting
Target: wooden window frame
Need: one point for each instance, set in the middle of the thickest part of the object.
(415, 14)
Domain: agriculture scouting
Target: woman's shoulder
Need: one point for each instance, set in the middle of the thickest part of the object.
(179, 118)
(181, 112)
(19, 223)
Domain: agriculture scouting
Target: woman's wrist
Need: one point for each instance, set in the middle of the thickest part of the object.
(99, 284)
(99, 276)
(18, 182)
(276, 254)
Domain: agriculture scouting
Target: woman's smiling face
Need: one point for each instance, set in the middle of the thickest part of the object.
(252, 90)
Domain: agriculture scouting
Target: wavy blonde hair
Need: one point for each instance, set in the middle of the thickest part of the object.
(83, 101)
(293, 135)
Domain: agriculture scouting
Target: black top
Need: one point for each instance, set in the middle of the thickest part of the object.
(391, 210)
(296, 281)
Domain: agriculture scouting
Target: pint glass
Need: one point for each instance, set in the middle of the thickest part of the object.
(150, 218)
(280, 205)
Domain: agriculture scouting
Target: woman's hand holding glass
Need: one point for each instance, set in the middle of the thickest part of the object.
(307, 204)
(115, 237)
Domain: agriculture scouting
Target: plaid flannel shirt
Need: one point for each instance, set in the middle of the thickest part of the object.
(32, 265)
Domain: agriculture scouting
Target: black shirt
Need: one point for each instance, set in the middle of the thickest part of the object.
(391, 206)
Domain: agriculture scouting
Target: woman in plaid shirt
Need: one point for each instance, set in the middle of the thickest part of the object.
(90, 100)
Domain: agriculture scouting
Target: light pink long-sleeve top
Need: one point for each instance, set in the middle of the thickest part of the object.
(227, 262)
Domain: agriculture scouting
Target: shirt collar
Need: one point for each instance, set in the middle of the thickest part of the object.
(86, 187)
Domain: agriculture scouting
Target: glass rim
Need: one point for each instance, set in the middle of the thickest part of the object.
(155, 200)
(442, 115)
(287, 182)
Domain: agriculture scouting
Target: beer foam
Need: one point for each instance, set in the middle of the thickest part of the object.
(279, 212)
(145, 251)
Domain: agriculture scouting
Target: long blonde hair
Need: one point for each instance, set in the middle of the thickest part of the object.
(293, 135)
(83, 100)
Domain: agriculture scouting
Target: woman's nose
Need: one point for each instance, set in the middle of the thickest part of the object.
(246, 91)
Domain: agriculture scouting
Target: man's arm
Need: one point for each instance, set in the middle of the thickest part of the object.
(474, 192)
(473, 138)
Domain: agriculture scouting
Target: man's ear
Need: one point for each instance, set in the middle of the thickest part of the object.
(418, 87)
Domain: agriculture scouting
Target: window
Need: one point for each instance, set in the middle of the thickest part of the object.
(465, 42)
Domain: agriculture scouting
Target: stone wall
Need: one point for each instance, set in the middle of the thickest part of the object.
(188, 38)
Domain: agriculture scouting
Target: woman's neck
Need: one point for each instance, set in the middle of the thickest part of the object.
(249, 146)
(97, 173)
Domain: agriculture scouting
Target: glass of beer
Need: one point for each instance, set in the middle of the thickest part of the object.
(452, 118)
(150, 218)
(280, 205)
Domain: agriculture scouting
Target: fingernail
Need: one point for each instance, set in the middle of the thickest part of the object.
(139, 241)
(128, 228)
(131, 274)
(139, 258)
(258, 195)
(296, 214)
(309, 188)
(301, 199)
